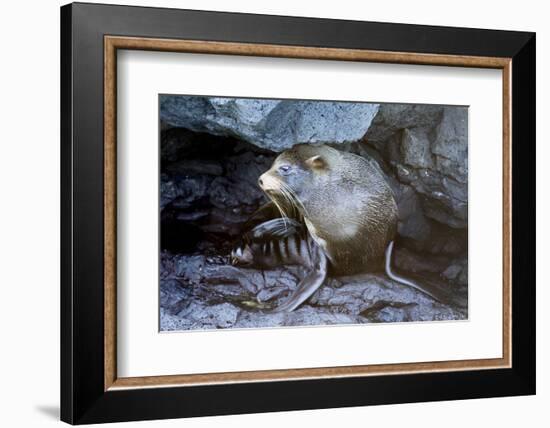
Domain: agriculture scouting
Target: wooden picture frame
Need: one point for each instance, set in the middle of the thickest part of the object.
(91, 390)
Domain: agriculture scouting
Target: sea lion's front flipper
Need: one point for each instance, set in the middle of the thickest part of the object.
(252, 248)
(275, 229)
(266, 212)
(309, 284)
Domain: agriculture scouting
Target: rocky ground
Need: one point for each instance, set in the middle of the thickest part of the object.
(199, 292)
(212, 152)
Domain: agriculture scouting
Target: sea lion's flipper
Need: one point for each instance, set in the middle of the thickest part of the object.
(266, 212)
(242, 254)
(277, 228)
(267, 245)
(309, 284)
(400, 279)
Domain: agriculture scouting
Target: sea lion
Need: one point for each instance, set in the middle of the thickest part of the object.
(344, 202)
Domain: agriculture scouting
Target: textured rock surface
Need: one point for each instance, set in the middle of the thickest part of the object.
(269, 124)
(209, 188)
(199, 292)
(427, 149)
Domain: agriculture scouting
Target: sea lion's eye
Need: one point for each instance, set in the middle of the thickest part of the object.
(284, 169)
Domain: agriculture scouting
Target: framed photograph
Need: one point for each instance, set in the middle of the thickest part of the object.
(265, 213)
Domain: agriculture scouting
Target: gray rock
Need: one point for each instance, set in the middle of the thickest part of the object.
(393, 118)
(186, 268)
(415, 148)
(204, 316)
(270, 293)
(209, 294)
(427, 147)
(457, 272)
(270, 124)
(451, 144)
(412, 262)
(412, 221)
(452, 272)
(307, 315)
(184, 191)
(173, 295)
(188, 167)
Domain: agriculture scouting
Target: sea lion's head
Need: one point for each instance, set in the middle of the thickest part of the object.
(295, 173)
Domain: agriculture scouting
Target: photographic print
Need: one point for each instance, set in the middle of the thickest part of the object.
(287, 213)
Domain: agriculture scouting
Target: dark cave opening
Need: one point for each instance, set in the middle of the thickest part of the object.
(208, 190)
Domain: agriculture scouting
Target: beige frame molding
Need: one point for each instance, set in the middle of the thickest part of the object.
(113, 43)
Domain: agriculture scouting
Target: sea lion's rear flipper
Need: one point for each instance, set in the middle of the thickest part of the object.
(277, 228)
(399, 278)
(309, 284)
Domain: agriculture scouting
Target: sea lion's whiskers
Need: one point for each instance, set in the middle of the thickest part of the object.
(284, 216)
(288, 197)
(281, 210)
(291, 205)
(295, 201)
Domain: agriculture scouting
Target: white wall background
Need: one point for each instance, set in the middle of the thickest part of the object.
(29, 213)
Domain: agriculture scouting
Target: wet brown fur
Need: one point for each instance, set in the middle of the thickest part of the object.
(345, 201)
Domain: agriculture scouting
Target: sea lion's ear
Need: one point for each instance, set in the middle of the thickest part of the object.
(316, 162)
